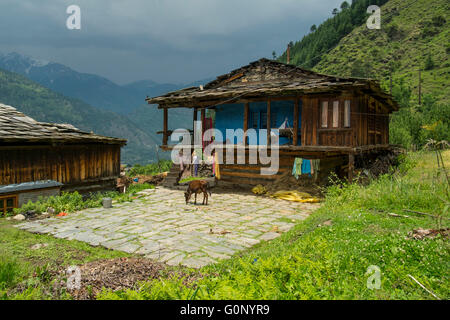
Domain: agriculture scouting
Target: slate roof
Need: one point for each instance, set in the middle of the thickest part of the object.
(12, 188)
(17, 127)
(267, 78)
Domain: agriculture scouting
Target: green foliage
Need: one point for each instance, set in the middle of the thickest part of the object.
(150, 169)
(429, 63)
(413, 125)
(10, 272)
(306, 53)
(71, 202)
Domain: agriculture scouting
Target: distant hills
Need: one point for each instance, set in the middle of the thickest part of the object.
(53, 92)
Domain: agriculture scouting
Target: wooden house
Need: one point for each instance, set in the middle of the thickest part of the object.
(32, 151)
(331, 118)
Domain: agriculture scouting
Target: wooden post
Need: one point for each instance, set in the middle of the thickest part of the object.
(288, 54)
(195, 117)
(420, 87)
(268, 123)
(245, 126)
(165, 133)
(202, 117)
(295, 123)
(351, 167)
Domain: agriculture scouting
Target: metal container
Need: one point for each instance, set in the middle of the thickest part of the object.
(107, 203)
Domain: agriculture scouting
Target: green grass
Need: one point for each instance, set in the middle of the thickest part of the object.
(330, 262)
(150, 169)
(189, 179)
(24, 272)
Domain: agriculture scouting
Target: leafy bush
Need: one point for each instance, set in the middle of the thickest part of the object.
(150, 169)
(71, 202)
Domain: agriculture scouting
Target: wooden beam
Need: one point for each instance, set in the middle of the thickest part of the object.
(295, 124)
(245, 126)
(195, 114)
(165, 135)
(268, 123)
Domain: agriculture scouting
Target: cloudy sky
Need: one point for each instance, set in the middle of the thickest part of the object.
(174, 41)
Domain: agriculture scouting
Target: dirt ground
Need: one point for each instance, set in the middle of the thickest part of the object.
(120, 274)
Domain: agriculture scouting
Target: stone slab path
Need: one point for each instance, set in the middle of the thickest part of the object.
(161, 226)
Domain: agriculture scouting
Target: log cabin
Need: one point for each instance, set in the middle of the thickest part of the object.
(330, 118)
(37, 156)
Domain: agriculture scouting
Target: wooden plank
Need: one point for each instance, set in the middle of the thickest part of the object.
(165, 127)
(295, 123)
(245, 126)
(269, 124)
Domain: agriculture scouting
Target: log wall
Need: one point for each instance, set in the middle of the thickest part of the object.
(73, 165)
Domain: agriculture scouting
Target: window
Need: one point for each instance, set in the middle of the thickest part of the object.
(254, 120)
(273, 120)
(335, 114)
(347, 114)
(324, 114)
(263, 120)
(7, 204)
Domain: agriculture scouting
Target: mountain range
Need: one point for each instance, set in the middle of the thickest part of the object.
(53, 92)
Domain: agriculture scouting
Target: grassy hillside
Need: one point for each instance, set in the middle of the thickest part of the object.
(414, 35)
(307, 52)
(43, 104)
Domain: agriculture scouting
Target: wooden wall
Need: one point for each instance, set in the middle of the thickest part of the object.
(245, 175)
(372, 122)
(369, 122)
(69, 164)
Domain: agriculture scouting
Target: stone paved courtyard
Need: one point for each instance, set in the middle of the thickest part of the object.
(161, 226)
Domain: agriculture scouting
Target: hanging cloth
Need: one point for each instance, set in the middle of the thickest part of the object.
(306, 167)
(216, 165)
(297, 168)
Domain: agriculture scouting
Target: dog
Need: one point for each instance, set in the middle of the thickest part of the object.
(196, 187)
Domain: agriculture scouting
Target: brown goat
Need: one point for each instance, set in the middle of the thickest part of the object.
(195, 187)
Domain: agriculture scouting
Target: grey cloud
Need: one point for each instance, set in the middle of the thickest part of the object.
(162, 40)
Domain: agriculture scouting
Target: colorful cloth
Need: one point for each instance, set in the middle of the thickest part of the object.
(216, 166)
(306, 166)
(297, 168)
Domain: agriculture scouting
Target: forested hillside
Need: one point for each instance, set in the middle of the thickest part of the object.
(307, 52)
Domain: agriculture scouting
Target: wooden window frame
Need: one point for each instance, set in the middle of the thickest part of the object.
(347, 113)
(263, 120)
(4, 208)
(335, 118)
(254, 120)
(324, 114)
